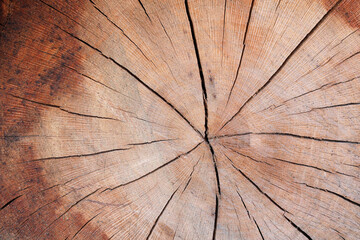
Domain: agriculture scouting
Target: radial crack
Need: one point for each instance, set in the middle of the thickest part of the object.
(152, 171)
(285, 61)
(73, 205)
(64, 110)
(203, 85)
(117, 26)
(242, 50)
(78, 155)
(298, 228)
(162, 211)
(216, 216)
(255, 185)
(9, 202)
(135, 77)
(331, 192)
(258, 228)
(83, 226)
(144, 10)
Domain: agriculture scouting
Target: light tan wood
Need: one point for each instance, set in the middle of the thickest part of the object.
(169, 119)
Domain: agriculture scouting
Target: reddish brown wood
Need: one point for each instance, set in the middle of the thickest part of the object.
(171, 119)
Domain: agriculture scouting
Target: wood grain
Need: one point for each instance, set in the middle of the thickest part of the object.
(171, 119)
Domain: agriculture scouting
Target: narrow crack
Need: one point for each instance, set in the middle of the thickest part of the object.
(9, 202)
(62, 109)
(83, 226)
(331, 192)
(142, 5)
(123, 32)
(73, 205)
(258, 228)
(242, 50)
(242, 200)
(290, 135)
(162, 211)
(152, 171)
(255, 185)
(135, 77)
(78, 155)
(295, 50)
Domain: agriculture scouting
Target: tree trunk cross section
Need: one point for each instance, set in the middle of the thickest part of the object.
(179, 119)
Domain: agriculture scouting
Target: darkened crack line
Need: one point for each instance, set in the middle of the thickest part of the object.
(231, 135)
(223, 33)
(135, 77)
(144, 10)
(83, 226)
(242, 200)
(117, 26)
(262, 237)
(64, 110)
(316, 89)
(298, 228)
(290, 135)
(190, 177)
(241, 154)
(286, 60)
(352, 55)
(61, 13)
(84, 75)
(152, 171)
(301, 164)
(277, 5)
(73, 205)
(327, 107)
(9, 202)
(28, 217)
(307, 137)
(171, 42)
(255, 185)
(199, 67)
(162, 211)
(216, 216)
(242, 50)
(150, 142)
(78, 155)
(203, 85)
(331, 192)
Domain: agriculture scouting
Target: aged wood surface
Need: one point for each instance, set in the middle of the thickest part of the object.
(173, 119)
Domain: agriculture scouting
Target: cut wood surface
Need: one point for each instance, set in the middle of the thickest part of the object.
(173, 119)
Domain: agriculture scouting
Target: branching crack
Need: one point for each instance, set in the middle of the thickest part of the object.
(301, 43)
(122, 31)
(135, 77)
(255, 185)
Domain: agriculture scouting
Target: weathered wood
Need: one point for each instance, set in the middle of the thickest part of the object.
(195, 119)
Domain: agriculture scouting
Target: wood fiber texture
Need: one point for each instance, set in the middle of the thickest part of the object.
(180, 119)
